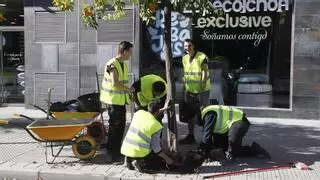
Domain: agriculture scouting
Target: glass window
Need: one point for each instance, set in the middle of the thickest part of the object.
(248, 46)
(11, 13)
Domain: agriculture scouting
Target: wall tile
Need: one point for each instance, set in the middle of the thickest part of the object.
(311, 103)
(306, 89)
(303, 8)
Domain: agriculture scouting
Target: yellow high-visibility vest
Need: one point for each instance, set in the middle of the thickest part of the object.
(110, 94)
(226, 116)
(137, 142)
(192, 73)
(145, 96)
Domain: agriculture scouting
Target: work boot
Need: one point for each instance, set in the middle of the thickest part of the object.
(260, 151)
(189, 139)
(137, 166)
(128, 163)
(114, 159)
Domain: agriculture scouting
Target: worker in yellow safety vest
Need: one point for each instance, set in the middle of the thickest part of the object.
(224, 127)
(196, 82)
(141, 145)
(147, 88)
(115, 94)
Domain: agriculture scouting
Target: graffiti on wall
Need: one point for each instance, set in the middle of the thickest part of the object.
(180, 30)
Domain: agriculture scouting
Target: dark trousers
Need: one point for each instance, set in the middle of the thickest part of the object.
(151, 162)
(232, 140)
(117, 123)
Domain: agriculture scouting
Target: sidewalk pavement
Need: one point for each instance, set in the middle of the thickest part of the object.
(287, 140)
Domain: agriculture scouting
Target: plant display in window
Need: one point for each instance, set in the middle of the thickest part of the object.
(63, 5)
(2, 16)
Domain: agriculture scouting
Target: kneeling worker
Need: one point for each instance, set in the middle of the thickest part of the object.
(224, 127)
(141, 145)
(148, 88)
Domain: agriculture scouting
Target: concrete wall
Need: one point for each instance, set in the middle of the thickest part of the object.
(306, 65)
(66, 53)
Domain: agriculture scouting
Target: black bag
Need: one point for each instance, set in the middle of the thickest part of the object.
(59, 106)
(89, 102)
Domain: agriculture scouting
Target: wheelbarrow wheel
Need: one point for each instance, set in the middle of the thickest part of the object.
(84, 147)
(97, 131)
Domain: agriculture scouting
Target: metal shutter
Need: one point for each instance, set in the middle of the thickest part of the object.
(43, 81)
(116, 31)
(49, 27)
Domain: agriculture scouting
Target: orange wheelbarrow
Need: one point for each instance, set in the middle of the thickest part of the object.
(88, 103)
(67, 132)
(96, 129)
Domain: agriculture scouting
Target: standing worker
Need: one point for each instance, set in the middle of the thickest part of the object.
(115, 94)
(148, 88)
(142, 143)
(224, 127)
(196, 82)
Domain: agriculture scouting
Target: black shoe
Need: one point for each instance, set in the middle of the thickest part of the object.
(128, 163)
(137, 166)
(114, 159)
(189, 139)
(260, 151)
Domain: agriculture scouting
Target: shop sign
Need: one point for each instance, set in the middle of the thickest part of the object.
(242, 19)
(180, 30)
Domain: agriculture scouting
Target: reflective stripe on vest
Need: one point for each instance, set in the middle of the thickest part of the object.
(137, 142)
(114, 91)
(192, 73)
(145, 96)
(110, 94)
(226, 116)
(140, 134)
(123, 81)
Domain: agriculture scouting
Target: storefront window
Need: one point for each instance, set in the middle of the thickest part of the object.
(11, 13)
(248, 45)
(12, 81)
(13, 78)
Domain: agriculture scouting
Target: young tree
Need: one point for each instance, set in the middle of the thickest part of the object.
(114, 10)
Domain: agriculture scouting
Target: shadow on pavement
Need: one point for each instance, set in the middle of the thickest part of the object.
(286, 144)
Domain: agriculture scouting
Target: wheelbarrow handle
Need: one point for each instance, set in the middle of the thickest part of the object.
(2, 121)
(43, 110)
(21, 123)
(24, 116)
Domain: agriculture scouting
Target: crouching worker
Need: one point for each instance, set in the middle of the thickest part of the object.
(141, 145)
(148, 88)
(224, 128)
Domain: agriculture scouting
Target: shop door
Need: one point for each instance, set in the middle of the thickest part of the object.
(12, 67)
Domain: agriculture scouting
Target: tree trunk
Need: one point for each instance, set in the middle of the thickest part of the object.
(172, 123)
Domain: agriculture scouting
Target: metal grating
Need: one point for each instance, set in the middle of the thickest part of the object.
(116, 31)
(44, 81)
(49, 27)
